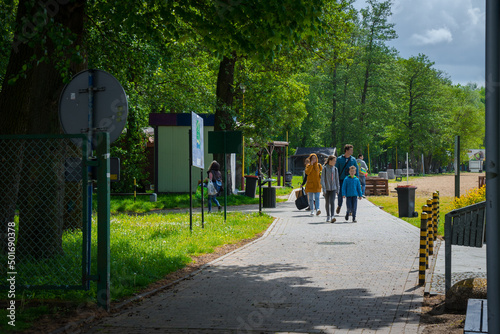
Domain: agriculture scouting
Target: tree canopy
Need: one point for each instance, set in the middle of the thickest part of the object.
(318, 70)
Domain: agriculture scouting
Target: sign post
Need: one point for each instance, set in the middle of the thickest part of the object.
(224, 142)
(95, 103)
(197, 154)
(457, 166)
(492, 162)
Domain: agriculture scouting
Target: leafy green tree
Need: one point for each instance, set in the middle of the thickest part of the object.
(332, 49)
(251, 29)
(374, 61)
(46, 41)
(421, 117)
(8, 14)
(467, 118)
(130, 149)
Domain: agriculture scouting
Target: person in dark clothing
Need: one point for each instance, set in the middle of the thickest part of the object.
(215, 176)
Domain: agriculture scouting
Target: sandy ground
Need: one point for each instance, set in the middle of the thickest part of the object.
(445, 184)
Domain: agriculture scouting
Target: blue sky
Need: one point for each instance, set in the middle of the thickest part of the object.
(450, 32)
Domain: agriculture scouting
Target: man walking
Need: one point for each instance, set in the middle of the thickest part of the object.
(343, 163)
(363, 172)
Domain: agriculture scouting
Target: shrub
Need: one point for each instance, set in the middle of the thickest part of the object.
(473, 196)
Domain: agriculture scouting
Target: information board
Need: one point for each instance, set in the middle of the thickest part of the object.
(197, 141)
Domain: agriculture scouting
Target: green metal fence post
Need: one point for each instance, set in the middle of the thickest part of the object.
(457, 166)
(103, 218)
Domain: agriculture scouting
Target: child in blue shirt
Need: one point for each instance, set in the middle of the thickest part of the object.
(351, 191)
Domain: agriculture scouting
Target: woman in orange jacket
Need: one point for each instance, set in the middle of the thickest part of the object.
(313, 185)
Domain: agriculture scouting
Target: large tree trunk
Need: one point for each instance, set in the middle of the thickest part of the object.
(224, 112)
(29, 106)
(333, 139)
(225, 95)
(343, 115)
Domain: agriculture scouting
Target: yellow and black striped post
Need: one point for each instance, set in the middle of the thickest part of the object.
(135, 189)
(430, 227)
(435, 204)
(435, 200)
(428, 209)
(423, 247)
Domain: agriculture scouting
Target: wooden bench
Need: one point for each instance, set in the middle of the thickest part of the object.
(476, 318)
(400, 173)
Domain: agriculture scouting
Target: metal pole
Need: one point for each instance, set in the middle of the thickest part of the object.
(286, 154)
(260, 181)
(103, 222)
(447, 252)
(369, 166)
(423, 166)
(202, 204)
(457, 166)
(190, 177)
(243, 166)
(156, 159)
(407, 168)
(396, 157)
(90, 181)
(225, 177)
(492, 160)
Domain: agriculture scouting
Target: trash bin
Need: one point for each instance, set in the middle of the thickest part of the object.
(288, 177)
(250, 185)
(269, 197)
(406, 201)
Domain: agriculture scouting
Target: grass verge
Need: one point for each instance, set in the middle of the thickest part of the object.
(390, 205)
(142, 204)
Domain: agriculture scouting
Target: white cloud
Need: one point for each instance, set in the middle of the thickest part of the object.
(476, 16)
(450, 32)
(433, 36)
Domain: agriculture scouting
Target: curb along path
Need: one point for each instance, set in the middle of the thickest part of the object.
(302, 276)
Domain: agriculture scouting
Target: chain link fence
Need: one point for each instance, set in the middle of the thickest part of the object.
(43, 211)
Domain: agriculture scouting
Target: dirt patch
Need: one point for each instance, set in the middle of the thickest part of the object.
(436, 320)
(445, 184)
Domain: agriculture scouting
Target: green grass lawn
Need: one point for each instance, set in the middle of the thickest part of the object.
(390, 205)
(142, 204)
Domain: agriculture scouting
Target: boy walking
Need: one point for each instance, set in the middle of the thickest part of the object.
(351, 191)
(344, 162)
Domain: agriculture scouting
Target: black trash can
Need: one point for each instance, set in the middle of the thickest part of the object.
(250, 185)
(406, 201)
(288, 177)
(269, 197)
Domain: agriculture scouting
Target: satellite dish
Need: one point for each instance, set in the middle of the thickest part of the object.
(109, 105)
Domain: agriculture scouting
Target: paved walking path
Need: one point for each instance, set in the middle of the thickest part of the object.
(302, 276)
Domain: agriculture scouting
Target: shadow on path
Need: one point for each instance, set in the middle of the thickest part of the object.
(264, 298)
